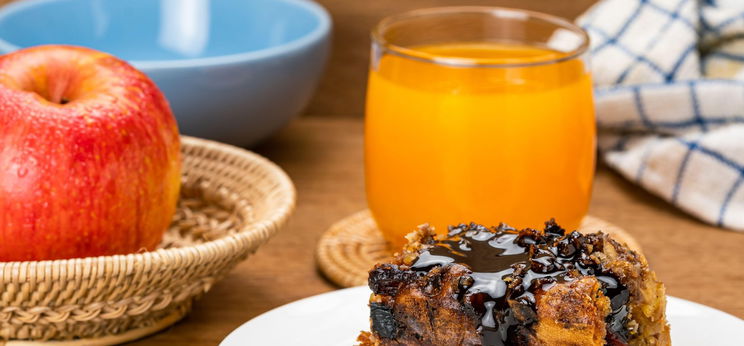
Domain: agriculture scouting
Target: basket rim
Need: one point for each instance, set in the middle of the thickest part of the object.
(265, 228)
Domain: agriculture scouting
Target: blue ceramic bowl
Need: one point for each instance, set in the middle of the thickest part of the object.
(233, 70)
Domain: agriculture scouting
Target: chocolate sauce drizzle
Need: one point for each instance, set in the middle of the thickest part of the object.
(509, 267)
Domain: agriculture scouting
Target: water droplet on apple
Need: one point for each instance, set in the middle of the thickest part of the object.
(22, 171)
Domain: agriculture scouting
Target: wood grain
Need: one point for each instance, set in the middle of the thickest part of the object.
(324, 158)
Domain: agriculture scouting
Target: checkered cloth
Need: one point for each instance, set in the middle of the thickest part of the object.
(669, 80)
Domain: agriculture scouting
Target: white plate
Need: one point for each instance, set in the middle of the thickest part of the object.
(336, 318)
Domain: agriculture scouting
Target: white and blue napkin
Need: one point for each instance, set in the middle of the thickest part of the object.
(669, 78)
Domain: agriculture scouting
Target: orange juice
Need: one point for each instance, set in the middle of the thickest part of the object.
(484, 143)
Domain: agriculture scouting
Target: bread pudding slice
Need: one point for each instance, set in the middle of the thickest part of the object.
(502, 286)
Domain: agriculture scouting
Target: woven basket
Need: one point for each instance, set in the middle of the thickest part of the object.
(231, 202)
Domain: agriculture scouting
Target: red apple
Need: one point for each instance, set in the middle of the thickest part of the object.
(89, 156)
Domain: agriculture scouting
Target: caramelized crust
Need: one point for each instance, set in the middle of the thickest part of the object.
(415, 304)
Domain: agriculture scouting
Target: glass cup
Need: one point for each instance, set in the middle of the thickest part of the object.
(478, 114)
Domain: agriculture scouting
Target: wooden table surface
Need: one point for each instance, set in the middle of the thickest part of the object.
(323, 156)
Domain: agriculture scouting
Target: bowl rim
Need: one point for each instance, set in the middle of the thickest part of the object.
(321, 31)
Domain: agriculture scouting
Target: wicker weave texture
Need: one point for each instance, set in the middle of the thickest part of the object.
(231, 202)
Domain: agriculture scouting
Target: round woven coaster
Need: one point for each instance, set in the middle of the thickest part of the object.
(348, 250)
